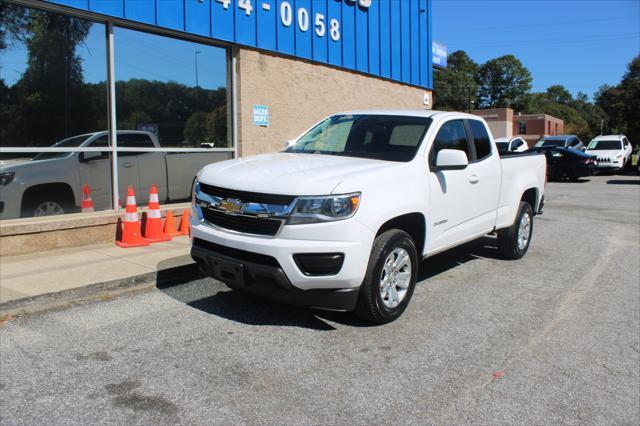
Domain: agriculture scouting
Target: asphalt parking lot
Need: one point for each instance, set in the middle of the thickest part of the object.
(553, 338)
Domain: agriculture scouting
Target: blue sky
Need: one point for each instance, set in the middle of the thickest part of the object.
(580, 44)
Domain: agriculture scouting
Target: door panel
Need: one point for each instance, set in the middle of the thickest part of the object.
(450, 211)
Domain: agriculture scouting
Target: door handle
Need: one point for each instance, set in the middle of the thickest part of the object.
(474, 178)
(128, 165)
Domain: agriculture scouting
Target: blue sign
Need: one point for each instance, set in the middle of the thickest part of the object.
(148, 127)
(260, 115)
(439, 54)
(387, 38)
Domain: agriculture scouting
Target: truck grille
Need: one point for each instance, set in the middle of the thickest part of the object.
(243, 223)
(247, 197)
(603, 160)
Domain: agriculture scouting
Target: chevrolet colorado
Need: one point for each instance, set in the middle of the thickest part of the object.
(342, 218)
(51, 183)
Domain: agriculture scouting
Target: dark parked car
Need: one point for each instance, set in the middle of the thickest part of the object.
(565, 163)
(564, 141)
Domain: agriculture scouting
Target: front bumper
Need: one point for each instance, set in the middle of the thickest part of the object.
(349, 238)
(263, 275)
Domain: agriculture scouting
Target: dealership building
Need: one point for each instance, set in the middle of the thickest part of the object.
(106, 94)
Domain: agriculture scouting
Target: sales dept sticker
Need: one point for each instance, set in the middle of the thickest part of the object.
(260, 115)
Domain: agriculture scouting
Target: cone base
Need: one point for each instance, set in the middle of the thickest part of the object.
(158, 239)
(174, 234)
(139, 243)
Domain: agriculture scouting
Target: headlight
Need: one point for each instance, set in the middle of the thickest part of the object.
(6, 178)
(194, 191)
(324, 209)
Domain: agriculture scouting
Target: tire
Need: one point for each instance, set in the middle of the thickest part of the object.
(382, 303)
(42, 203)
(510, 243)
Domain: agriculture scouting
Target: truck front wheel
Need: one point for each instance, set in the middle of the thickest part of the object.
(390, 279)
(514, 241)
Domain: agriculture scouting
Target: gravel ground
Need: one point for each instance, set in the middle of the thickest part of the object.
(550, 339)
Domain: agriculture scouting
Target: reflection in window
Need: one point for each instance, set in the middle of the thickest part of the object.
(52, 77)
(172, 89)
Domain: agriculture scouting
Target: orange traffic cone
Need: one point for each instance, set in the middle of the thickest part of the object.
(87, 203)
(131, 235)
(185, 228)
(170, 226)
(153, 227)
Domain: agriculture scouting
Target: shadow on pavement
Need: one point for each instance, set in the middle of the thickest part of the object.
(210, 296)
(482, 248)
(623, 182)
(578, 180)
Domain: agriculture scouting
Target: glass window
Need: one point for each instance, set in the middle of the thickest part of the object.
(174, 89)
(383, 137)
(452, 135)
(517, 143)
(522, 127)
(502, 146)
(604, 144)
(409, 135)
(481, 139)
(170, 93)
(53, 93)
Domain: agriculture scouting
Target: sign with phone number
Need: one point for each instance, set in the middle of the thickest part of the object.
(303, 20)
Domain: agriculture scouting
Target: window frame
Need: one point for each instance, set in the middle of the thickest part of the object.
(472, 141)
(110, 23)
(431, 158)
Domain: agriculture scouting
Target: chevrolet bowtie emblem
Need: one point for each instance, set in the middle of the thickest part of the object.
(230, 205)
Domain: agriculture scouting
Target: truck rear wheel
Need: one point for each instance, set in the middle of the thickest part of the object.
(390, 279)
(514, 241)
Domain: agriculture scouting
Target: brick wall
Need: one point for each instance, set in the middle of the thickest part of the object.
(300, 93)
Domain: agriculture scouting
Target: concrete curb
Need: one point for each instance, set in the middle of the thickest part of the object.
(102, 291)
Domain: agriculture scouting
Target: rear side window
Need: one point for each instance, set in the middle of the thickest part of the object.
(452, 135)
(517, 143)
(480, 139)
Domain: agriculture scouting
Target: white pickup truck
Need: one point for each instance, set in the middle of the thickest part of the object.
(51, 183)
(342, 218)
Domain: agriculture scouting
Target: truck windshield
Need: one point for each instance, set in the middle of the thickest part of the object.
(381, 137)
(72, 142)
(550, 142)
(605, 145)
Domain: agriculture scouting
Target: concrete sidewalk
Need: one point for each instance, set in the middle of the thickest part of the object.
(27, 277)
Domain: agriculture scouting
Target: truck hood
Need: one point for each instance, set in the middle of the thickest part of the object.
(289, 173)
(608, 153)
(6, 165)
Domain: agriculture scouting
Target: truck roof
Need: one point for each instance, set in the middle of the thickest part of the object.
(428, 113)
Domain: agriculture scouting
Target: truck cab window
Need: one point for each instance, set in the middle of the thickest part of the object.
(452, 135)
(134, 140)
(480, 139)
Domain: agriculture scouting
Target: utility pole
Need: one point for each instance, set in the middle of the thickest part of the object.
(196, 59)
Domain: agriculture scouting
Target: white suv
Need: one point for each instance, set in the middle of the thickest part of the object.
(613, 151)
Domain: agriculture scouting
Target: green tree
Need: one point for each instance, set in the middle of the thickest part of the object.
(559, 94)
(502, 82)
(456, 87)
(622, 103)
(195, 130)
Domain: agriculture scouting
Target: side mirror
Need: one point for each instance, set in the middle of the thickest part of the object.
(86, 157)
(451, 159)
(289, 143)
